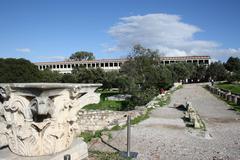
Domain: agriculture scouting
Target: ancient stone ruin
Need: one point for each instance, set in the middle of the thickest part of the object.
(193, 117)
(224, 94)
(40, 118)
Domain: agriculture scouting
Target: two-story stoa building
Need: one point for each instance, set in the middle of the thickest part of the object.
(115, 64)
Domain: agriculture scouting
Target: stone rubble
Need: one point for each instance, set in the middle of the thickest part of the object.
(193, 117)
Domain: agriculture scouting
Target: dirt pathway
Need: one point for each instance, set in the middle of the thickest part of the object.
(164, 136)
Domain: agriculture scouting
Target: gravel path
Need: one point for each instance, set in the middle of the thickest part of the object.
(164, 136)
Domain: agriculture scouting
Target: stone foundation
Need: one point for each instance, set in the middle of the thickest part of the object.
(226, 95)
(238, 100)
(98, 120)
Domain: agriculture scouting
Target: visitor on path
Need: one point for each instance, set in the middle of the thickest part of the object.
(212, 82)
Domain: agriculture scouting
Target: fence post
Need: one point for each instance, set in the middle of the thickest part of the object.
(128, 135)
(67, 157)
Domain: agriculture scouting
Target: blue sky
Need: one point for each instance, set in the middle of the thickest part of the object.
(50, 30)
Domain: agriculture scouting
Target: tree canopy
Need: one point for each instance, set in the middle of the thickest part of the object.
(18, 70)
(82, 55)
(142, 75)
(216, 71)
(233, 64)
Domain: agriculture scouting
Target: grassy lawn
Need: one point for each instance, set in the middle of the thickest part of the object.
(106, 156)
(108, 104)
(234, 88)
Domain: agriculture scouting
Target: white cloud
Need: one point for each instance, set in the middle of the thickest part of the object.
(164, 32)
(23, 50)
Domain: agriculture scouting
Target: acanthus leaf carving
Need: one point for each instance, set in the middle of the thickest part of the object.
(40, 118)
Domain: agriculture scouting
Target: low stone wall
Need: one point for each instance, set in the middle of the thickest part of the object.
(226, 95)
(193, 118)
(97, 120)
(93, 120)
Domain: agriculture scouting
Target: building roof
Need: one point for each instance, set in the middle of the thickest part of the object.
(180, 58)
(185, 58)
(83, 61)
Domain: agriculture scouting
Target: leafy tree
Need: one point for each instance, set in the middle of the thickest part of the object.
(99, 75)
(199, 73)
(84, 75)
(216, 71)
(140, 64)
(90, 75)
(82, 55)
(164, 78)
(142, 98)
(110, 79)
(18, 70)
(122, 82)
(180, 71)
(142, 76)
(50, 76)
(233, 64)
(68, 78)
(233, 77)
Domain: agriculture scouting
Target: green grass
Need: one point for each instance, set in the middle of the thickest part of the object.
(108, 104)
(179, 87)
(117, 128)
(88, 136)
(164, 100)
(134, 121)
(140, 118)
(233, 88)
(106, 156)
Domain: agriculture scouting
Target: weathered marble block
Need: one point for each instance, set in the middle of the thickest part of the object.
(229, 97)
(215, 90)
(234, 98)
(40, 118)
(222, 94)
(218, 92)
(193, 117)
(238, 100)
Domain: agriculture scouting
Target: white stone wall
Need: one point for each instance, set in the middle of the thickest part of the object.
(97, 120)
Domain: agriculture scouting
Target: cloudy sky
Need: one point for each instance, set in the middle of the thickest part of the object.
(52, 30)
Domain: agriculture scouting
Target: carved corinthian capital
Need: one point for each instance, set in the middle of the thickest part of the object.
(39, 118)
